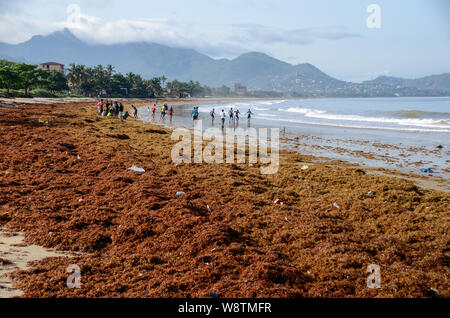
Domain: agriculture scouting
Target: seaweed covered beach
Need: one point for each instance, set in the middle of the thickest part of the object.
(65, 182)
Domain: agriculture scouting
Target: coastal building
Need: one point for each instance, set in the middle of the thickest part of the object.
(52, 66)
(239, 89)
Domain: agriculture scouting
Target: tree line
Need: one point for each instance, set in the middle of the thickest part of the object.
(99, 81)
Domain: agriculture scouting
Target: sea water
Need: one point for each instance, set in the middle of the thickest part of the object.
(389, 132)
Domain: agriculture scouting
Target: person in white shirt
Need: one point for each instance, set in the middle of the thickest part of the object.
(222, 117)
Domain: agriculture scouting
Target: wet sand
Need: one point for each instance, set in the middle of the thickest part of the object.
(16, 255)
(66, 185)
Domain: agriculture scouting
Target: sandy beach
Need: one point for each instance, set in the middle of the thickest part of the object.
(66, 185)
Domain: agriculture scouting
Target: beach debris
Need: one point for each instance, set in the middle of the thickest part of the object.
(426, 170)
(371, 193)
(135, 168)
(270, 188)
(336, 205)
(78, 157)
(278, 201)
(305, 167)
(43, 121)
(434, 290)
(80, 200)
(209, 209)
(180, 193)
(213, 294)
(440, 147)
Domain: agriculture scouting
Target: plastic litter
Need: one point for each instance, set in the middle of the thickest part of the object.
(180, 193)
(336, 205)
(43, 121)
(305, 167)
(209, 209)
(213, 294)
(434, 290)
(137, 169)
(278, 201)
(426, 170)
(371, 193)
(78, 157)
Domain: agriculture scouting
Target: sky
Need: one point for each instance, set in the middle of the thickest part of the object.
(404, 38)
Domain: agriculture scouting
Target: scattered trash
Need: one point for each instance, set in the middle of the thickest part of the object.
(180, 193)
(80, 200)
(426, 170)
(371, 193)
(336, 205)
(278, 201)
(137, 169)
(78, 157)
(213, 294)
(305, 167)
(440, 147)
(434, 290)
(209, 209)
(286, 219)
(43, 121)
(270, 188)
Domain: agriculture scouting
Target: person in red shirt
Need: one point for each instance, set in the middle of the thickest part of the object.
(100, 106)
(170, 113)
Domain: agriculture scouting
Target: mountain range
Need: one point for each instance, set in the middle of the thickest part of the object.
(257, 71)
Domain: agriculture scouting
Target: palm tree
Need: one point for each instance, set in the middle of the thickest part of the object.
(76, 77)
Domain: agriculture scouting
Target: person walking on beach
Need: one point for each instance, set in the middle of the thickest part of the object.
(212, 114)
(163, 112)
(222, 117)
(249, 116)
(195, 113)
(100, 106)
(121, 111)
(135, 112)
(153, 111)
(231, 115)
(115, 109)
(236, 115)
(171, 113)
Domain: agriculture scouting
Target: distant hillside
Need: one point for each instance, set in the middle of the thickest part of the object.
(255, 70)
(441, 82)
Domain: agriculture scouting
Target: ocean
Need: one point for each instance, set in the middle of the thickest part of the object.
(399, 133)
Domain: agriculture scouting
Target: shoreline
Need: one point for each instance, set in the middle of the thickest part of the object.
(67, 185)
(430, 181)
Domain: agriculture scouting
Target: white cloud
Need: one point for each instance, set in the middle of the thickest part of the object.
(214, 40)
(264, 34)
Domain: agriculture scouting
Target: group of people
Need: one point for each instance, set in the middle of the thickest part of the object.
(233, 116)
(109, 108)
(164, 110)
(113, 109)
